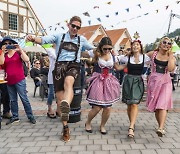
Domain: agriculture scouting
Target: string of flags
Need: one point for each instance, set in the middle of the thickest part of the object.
(116, 13)
(21, 41)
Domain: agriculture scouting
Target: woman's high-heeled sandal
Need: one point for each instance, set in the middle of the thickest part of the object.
(160, 132)
(130, 134)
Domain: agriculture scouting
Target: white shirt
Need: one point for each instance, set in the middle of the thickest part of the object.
(124, 59)
(52, 59)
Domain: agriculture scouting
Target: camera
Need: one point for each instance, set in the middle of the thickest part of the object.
(10, 47)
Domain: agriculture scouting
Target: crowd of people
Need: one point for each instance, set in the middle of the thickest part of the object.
(107, 72)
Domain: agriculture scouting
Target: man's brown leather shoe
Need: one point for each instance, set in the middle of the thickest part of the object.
(66, 134)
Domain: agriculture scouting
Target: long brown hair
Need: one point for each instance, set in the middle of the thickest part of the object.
(98, 51)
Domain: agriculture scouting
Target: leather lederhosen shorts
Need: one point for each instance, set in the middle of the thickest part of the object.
(63, 69)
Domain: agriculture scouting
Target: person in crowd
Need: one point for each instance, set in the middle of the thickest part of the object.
(45, 65)
(159, 92)
(133, 85)
(5, 96)
(104, 88)
(12, 57)
(4, 92)
(52, 58)
(35, 72)
(68, 50)
(120, 74)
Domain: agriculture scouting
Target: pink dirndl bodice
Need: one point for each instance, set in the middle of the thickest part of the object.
(159, 90)
(104, 88)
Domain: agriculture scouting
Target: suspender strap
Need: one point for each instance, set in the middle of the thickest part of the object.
(78, 45)
(60, 47)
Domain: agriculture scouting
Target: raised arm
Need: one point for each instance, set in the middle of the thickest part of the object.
(34, 39)
(171, 62)
(2, 59)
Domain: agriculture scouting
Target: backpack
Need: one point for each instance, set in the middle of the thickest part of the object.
(25, 68)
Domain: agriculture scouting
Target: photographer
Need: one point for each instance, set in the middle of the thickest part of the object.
(12, 56)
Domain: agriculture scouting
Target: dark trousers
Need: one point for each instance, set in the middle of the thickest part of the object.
(5, 98)
(119, 76)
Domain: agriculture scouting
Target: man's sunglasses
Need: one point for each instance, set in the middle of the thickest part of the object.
(168, 43)
(105, 49)
(74, 26)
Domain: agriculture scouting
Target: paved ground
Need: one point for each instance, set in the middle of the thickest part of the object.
(44, 137)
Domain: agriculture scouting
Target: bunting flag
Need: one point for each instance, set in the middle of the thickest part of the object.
(99, 19)
(139, 5)
(127, 9)
(115, 13)
(167, 7)
(96, 7)
(132, 18)
(86, 14)
(89, 21)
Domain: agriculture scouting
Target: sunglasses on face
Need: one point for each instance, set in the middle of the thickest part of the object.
(168, 43)
(7, 43)
(74, 26)
(37, 63)
(105, 49)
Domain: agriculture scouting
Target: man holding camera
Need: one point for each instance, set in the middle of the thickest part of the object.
(12, 56)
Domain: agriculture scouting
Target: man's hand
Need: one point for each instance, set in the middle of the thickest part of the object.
(30, 38)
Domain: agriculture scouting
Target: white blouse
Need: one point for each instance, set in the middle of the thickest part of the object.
(124, 59)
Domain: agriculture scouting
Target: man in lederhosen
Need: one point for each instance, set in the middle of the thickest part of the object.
(68, 50)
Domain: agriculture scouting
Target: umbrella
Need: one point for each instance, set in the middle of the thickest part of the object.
(35, 49)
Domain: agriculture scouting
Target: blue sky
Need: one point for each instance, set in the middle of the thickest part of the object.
(135, 15)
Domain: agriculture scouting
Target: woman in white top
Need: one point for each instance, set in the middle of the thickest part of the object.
(104, 88)
(133, 85)
(52, 58)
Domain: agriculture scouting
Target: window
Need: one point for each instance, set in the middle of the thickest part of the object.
(13, 25)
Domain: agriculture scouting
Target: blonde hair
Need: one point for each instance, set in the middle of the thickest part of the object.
(162, 39)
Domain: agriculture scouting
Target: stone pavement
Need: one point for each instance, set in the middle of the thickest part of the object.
(44, 137)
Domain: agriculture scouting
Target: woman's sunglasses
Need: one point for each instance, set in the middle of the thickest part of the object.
(105, 49)
(7, 43)
(168, 43)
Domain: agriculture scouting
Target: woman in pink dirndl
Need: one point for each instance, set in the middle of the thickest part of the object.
(104, 88)
(159, 91)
